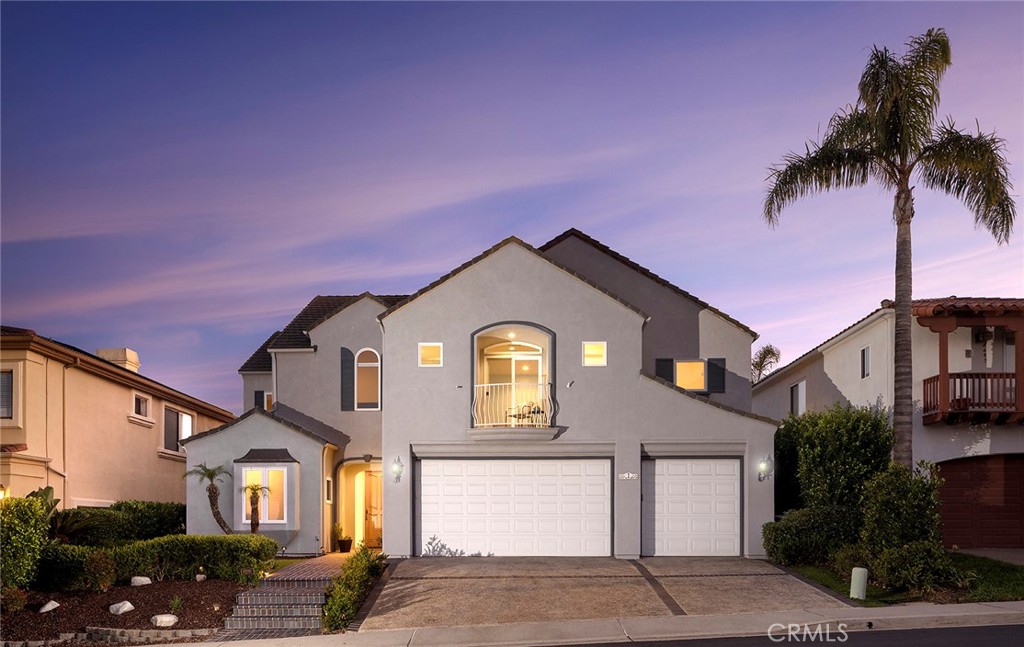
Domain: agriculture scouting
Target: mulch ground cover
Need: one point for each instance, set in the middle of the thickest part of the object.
(203, 605)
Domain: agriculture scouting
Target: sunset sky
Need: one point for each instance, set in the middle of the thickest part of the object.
(182, 178)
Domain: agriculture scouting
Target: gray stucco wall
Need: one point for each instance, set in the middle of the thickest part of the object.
(303, 534)
(311, 381)
(679, 327)
(609, 411)
(253, 382)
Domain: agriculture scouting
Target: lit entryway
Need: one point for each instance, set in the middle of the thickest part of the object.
(691, 507)
(517, 507)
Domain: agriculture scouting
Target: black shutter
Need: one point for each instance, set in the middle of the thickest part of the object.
(171, 430)
(259, 399)
(716, 375)
(348, 380)
(665, 369)
(380, 381)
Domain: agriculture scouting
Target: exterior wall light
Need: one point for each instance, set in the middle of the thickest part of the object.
(3, 491)
(765, 469)
(396, 469)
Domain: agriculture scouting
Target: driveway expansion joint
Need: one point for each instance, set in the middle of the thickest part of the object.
(663, 594)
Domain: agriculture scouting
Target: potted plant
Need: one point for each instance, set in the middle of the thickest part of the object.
(342, 543)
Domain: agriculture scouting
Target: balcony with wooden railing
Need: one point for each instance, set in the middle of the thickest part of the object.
(971, 396)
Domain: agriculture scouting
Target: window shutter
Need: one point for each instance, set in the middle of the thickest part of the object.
(258, 399)
(665, 369)
(380, 380)
(348, 380)
(6, 394)
(170, 430)
(716, 375)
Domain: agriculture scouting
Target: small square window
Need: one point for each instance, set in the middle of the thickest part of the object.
(595, 353)
(865, 362)
(431, 354)
(691, 374)
(141, 407)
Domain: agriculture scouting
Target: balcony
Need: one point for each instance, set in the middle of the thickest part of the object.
(512, 411)
(971, 397)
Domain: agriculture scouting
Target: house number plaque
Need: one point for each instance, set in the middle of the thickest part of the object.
(628, 476)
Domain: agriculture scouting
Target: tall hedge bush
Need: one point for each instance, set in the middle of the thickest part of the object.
(902, 506)
(23, 533)
(151, 519)
(787, 462)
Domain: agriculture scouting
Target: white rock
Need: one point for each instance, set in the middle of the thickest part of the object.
(138, 580)
(49, 606)
(121, 607)
(200, 577)
(164, 620)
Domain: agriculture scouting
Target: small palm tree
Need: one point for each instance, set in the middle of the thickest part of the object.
(763, 361)
(890, 136)
(255, 491)
(211, 475)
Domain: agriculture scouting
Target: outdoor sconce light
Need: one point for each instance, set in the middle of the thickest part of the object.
(396, 469)
(3, 491)
(765, 469)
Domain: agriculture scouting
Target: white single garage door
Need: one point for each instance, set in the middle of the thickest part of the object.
(691, 506)
(517, 507)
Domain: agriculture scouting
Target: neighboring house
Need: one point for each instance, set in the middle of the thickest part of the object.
(91, 426)
(969, 402)
(552, 401)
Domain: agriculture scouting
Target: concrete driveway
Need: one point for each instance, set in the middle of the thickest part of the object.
(447, 592)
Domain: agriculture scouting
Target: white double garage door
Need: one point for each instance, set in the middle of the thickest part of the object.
(563, 507)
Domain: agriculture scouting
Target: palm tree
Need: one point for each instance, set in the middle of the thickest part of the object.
(211, 475)
(255, 491)
(891, 136)
(764, 359)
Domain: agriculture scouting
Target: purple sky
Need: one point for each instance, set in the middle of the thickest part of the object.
(182, 178)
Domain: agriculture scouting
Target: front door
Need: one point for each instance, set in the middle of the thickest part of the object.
(372, 513)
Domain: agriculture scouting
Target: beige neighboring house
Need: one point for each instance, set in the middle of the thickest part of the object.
(968, 402)
(90, 425)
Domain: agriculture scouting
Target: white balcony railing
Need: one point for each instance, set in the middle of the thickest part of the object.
(512, 405)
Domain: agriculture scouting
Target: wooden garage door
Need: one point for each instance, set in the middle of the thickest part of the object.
(983, 502)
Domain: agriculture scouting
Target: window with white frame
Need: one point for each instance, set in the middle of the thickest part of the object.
(140, 405)
(865, 362)
(7, 395)
(595, 353)
(798, 398)
(367, 395)
(273, 495)
(177, 427)
(431, 354)
(329, 490)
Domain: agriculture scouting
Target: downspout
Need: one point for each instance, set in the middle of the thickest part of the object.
(273, 376)
(324, 543)
(64, 427)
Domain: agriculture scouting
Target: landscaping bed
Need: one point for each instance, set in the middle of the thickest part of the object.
(203, 605)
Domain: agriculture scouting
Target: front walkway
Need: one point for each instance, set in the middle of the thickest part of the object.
(325, 567)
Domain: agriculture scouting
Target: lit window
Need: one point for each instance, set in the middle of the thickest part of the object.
(865, 362)
(329, 490)
(798, 398)
(368, 380)
(272, 500)
(141, 407)
(595, 353)
(7, 394)
(691, 374)
(431, 353)
(177, 427)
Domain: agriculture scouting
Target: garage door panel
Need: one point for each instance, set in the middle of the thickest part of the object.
(983, 501)
(690, 507)
(529, 507)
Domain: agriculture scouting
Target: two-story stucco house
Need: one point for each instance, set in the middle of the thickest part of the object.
(90, 425)
(968, 392)
(552, 401)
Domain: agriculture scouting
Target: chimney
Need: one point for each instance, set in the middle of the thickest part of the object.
(123, 357)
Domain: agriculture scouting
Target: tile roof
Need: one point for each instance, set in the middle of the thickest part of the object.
(319, 310)
(300, 422)
(966, 305)
(14, 330)
(642, 270)
(511, 240)
(260, 361)
(267, 456)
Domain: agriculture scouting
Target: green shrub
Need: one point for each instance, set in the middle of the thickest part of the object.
(840, 450)
(98, 527)
(151, 519)
(98, 571)
(349, 589)
(849, 557)
(62, 568)
(12, 599)
(23, 534)
(240, 558)
(787, 462)
(902, 506)
(808, 536)
(920, 566)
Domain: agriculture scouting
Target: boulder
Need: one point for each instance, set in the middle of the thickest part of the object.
(164, 620)
(49, 606)
(200, 577)
(139, 580)
(121, 607)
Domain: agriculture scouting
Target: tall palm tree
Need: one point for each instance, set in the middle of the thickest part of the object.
(255, 491)
(891, 136)
(211, 475)
(763, 360)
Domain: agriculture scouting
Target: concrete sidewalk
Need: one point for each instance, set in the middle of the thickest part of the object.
(911, 616)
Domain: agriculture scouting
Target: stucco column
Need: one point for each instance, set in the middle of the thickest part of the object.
(626, 485)
(397, 501)
(943, 371)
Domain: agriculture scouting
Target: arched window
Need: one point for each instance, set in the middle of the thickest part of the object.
(367, 380)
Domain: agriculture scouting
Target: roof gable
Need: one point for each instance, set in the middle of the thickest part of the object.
(283, 414)
(318, 310)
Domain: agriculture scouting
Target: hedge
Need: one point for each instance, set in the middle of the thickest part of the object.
(151, 519)
(23, 530)
(902, 506)
(809, 535)
(240, 558)
(348, 590)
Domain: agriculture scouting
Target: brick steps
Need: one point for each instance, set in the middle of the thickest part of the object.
(273, 606)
